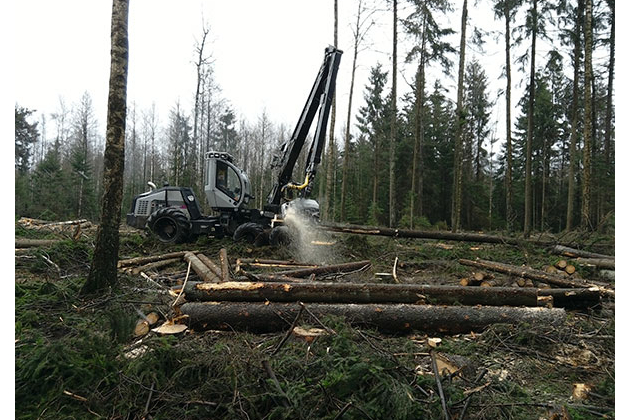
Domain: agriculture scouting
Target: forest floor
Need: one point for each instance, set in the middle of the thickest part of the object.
(76, 357)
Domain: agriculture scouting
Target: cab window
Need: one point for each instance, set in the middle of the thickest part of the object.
(228, 181)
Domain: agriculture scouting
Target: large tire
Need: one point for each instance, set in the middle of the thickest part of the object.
(280, 236)
(252, 233)
(170, 225)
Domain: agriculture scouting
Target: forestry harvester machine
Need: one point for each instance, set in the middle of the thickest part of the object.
(173, 214)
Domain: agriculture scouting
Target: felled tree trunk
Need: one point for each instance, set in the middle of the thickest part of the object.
(430, 234)
(200, 268)
(394, 318)
(597, 262)
(326, 269)
(571, 252)
(150, 259)
(30, 243)
(537, 275)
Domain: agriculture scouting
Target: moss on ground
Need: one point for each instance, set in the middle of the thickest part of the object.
(70, 352)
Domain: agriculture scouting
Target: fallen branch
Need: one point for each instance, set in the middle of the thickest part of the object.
(436, 374)
(326, 269)
(397, 318)
(256, 262)
(388, 293)
(537, 275)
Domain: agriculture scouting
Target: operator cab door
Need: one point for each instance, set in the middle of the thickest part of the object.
(224, 189)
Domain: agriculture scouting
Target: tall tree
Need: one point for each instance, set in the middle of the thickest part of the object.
(103, 270)
(588, 118)
(507, 9)
(527, 223)
(430, 47)
(332, 148)
(372, 125)
(201, 67)
(393, 128)
(359, 32)
(457, 160)
(576, 37)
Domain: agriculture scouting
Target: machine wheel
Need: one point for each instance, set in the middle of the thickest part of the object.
(170, 225)
(252, 233)
(279, 236)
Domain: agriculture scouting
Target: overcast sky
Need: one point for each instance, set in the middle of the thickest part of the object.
(266, 53)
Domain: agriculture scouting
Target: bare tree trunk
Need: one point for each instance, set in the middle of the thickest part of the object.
(456, 203)
(103, 271)
(527, 225)
(330, 168)
(392, 140)
(609, 95)
(588, 118)
(509, 193)
(574, 117)
(346, 154)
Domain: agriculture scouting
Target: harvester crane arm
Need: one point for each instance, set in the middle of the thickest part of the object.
(320, 98)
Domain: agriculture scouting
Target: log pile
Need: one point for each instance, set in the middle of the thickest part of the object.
(212, 295)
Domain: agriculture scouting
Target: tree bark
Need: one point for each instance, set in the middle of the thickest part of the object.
(330, 168)
(571, 252)
(152, 258)
(327, 269)
(201, 269)
(537, 275)
(588, 118)
(391, 318)
(30, 243)
(456, 207)
(392, 139)
(417, 167)
(385, 293)
(527, 224)
(211, 265)
(429, 234)
(225, 265)
(103, 270)
(346, 154)
(597, 262)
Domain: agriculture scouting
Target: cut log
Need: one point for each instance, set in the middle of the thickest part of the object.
(257, 262)
(605, 263)
(200, 268)
(153, 265)
(479, 276)
(569, 269)
(326, 269)
(537, 275)
(211, 265)
(396, 318)
(571, 252)
(141, 329)
(488, 283)
(573, 298)
(151, 258)
(31, 243)
(521, 282)
(225, 265)
(562, 264)
(430, 234)
(383, 293)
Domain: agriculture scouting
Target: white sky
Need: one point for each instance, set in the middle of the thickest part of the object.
(266, 53)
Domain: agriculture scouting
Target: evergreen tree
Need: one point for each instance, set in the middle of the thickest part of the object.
(371, 125)
(26, 135)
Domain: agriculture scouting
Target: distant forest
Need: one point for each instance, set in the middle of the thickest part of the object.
(426, 159)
